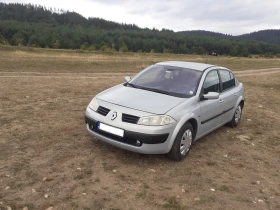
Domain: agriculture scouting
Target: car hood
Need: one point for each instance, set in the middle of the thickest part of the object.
(143, 100)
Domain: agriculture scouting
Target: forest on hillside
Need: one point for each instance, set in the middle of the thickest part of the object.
(271, 36)
(38, 26)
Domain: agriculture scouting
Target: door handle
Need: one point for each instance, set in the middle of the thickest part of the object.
(221, 101)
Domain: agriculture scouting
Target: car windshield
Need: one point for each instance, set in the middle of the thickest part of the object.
(170, 80)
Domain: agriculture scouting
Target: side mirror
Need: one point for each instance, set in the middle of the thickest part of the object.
(211, 95)
(127, 78)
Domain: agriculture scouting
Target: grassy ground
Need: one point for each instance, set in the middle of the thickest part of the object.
(77, 61)
(48, 159)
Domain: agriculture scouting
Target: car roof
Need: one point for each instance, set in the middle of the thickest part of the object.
(189, 65)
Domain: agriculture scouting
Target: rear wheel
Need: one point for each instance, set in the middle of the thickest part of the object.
(236, 117)
(182, 143)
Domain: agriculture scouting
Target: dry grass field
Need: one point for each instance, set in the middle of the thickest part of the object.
(47, 158)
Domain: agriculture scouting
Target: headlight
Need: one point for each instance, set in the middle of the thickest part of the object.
(93, 104)
(156, 120)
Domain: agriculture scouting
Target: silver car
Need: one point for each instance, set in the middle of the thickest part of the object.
(166, 107)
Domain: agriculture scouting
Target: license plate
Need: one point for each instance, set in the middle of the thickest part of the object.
(110, 129)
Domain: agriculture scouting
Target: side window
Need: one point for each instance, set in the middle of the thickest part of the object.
(232, 78)
(211, 82)
(228, 80)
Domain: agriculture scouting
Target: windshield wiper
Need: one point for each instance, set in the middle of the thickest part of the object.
(149, 89)
(132, 85)
(156, 90)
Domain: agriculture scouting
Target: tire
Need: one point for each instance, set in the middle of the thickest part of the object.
(236, 117)
(179, 151)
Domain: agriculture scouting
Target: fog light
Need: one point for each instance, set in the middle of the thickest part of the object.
(138, 143)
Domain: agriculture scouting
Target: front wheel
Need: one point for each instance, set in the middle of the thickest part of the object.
(182, 143)
(236, 117)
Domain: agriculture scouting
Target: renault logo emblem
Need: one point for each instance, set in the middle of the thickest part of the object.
(114, 115)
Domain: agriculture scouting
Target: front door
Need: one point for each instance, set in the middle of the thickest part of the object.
(211, 109)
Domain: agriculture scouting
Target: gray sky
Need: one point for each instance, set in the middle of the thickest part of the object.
(225, 16)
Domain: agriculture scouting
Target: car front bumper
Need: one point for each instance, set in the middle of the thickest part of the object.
(137, 138)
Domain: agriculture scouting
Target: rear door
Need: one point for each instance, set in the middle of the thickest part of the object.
(228, 96)
(210, 110)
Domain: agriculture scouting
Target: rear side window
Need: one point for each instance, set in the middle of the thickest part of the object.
(211, 83)
(228, 80)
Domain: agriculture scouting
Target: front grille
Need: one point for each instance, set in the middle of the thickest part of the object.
(103, 111)
(130, 118)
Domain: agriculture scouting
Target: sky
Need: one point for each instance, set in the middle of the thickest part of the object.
(233, 17)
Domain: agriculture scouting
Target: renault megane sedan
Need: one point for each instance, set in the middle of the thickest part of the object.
(166, 107)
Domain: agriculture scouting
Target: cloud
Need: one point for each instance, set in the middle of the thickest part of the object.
(231, 17)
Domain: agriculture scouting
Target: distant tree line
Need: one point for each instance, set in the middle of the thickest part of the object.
(37, 26)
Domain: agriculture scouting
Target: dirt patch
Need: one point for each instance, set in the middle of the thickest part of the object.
(257, 72)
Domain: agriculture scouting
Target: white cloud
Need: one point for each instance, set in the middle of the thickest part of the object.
(231, 17)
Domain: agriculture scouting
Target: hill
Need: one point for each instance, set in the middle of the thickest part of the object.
(38, 26)
(38, 14)
(271, 36)
(204, 33)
